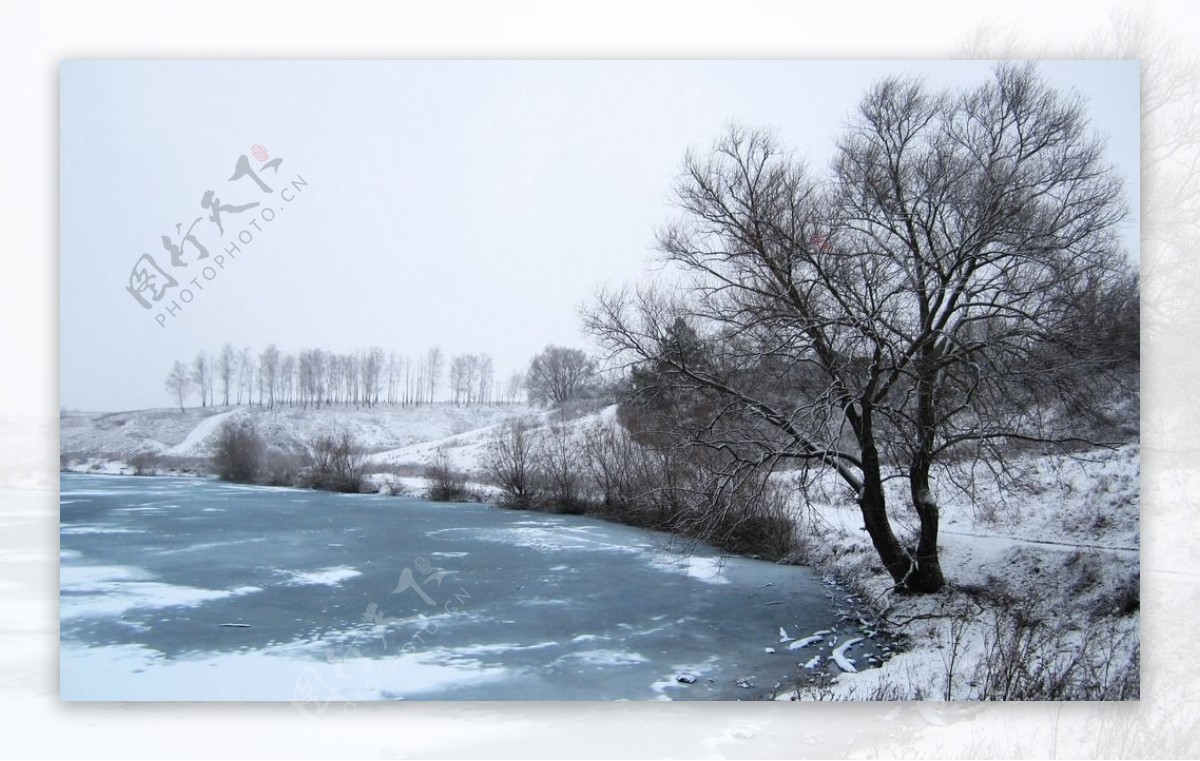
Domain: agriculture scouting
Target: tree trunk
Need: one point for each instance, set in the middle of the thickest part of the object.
(873, 504)
(918, 573)
(927, 574)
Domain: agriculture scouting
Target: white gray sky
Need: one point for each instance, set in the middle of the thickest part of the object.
(471, 205)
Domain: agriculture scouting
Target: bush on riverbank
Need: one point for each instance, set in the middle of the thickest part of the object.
(238, 452)
(600, 470)
(446, 484)
(334, 462)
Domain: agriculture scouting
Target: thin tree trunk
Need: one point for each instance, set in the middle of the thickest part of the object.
(927, 576)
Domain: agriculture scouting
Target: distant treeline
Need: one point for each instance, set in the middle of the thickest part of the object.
(319, 377)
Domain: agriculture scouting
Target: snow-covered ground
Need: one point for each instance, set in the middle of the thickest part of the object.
(1042, 581)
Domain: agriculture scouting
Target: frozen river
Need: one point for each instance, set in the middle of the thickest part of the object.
(187, 589)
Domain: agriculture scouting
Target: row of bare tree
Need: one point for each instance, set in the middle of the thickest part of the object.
(317, 377)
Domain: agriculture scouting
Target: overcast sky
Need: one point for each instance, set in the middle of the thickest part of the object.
(471, 205)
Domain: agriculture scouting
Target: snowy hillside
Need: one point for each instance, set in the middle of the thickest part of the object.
(465, 451)
(121, 435)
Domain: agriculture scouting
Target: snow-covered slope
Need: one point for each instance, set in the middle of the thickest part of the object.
(465, 451)
(121, 435)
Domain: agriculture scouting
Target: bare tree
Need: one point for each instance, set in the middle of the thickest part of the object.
(560, 462)
(268, 366)
(486, 379)
(245, 374)
(917, 305)
(434, 366)
(320, 375)
(470, 365)
(512, 389)
(415, 381)
(202, 376)
(509, 462)
(372, 374)
(557, 375)
(179, 382)
(225, 368)
(287, 378)
(457, 378)
(614, 465)
(392, 378)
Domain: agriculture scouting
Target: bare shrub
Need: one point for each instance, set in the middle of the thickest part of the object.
(560, 467)
(335, 463)
(238, 452)
(742, 512)
(145, 464)
(614, 465)
(445, 483)
(281, 468)
(1124, 599)
(1028, 656)
(509, 463)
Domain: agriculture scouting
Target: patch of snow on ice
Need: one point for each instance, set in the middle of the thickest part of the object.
(805, 642)
(500, 647)
(706, 569)
(89, 528)
(96, 591)
(134, 672)
(607, 657)
(329, 577)
(839, 655)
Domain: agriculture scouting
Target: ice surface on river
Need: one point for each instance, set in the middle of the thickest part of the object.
(187, 589)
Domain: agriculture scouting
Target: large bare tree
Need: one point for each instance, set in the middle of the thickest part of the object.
(924, 300)
(558, 374)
